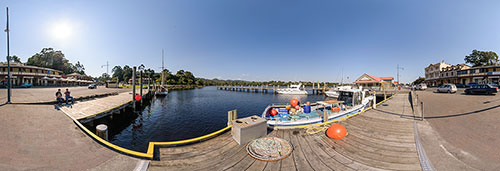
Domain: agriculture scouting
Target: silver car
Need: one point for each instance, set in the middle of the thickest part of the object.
(447, 88)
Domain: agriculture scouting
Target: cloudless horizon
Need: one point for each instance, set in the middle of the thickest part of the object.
(256, 40)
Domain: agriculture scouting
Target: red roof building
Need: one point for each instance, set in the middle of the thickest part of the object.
(369, 80)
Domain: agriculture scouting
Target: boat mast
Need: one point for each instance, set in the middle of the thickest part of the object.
(162, 68)
(342, 79)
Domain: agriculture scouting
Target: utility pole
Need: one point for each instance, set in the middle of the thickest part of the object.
(8, 60)
(107, 68)
(398, 72)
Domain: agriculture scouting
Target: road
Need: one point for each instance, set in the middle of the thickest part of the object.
(468, 124)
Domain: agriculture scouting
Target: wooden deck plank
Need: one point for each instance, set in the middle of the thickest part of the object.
(289, 162)
(311, 155)
(299, 157)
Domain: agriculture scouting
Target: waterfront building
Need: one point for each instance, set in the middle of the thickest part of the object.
(37, 76)
(373, 82)
(442, 73)
(433, 73)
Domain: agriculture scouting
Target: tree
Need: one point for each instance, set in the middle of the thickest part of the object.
(79, 68)
(49, 58)
(481, 58)
(104, 77)
(15, 59)
(418, 81)
(117, 73)
(127, 73)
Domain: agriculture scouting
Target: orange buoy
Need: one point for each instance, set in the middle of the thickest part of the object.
(297, 107)
(273, 112)
(308, 103)
(287, 107)
(294, 102)
(137, 97)
(336, 131)
(336, 109)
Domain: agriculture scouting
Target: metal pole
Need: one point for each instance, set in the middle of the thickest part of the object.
(8, 61)
(133, 86)
(422, 105)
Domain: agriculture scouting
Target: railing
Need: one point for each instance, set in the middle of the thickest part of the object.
(29, 73)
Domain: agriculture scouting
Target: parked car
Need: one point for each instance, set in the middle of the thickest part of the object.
(447, 88)
(92, 86)
(26, 85)
(421, 86)
(493, 84)
(481, 89)
(460, 85)
(470, 85)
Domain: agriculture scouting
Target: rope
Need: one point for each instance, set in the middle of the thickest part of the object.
(317, 129)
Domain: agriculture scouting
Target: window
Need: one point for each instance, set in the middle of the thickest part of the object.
(473, 71)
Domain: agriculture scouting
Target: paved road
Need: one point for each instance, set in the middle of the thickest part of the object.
(468, 124)
(40, 95)
(38, 137)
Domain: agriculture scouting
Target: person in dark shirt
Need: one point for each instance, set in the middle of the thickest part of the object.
(59, 96)
(68, 96)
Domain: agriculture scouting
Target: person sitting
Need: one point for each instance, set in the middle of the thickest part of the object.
(68, 96)
(59, 96)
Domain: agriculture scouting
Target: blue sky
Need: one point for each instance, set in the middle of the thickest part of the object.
(257, 39)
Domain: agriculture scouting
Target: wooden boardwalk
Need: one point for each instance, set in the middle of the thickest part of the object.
(99, 107)
(378, 140)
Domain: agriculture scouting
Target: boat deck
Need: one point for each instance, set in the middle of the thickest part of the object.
(378, 140)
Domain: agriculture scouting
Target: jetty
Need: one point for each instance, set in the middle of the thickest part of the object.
(379, 139)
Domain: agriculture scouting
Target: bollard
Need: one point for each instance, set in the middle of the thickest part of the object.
(422, 105)
(101, 130)
(231, 115)
(375, 102)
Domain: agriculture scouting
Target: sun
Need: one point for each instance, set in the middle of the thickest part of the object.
(61, 30)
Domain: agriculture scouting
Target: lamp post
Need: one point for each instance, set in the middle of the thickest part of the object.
(141, 69)
(398, 72)
(8, 60)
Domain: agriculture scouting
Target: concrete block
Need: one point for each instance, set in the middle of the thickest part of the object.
(247, 129)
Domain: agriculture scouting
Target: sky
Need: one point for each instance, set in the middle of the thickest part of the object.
(258, 40)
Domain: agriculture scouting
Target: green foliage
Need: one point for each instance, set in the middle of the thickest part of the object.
(418, 81)
(481, 58)
(49, 58)
(15, 59)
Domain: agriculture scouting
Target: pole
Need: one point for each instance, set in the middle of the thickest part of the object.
(133, 86)
(8, 61)
(141, 84)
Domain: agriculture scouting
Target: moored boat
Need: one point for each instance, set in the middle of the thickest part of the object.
(334, 92)
(349, 102)
(293, 89)
(162, 91)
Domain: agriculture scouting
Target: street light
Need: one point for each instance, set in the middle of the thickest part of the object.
(141, 68)
(8, 60)
(398, 72)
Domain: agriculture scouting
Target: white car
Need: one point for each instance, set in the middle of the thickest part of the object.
(447, 88)
(422, 86)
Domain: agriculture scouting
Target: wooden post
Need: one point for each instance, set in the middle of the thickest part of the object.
(140, 73)
(375, 101)
(102, 131)
(325, 114)
(133, 86)
(231, 116)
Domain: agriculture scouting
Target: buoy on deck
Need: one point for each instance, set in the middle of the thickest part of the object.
(273, 112)
(297, 107)
(294, 102)
(137, 97)
(336, 131)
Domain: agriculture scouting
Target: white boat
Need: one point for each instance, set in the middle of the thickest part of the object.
(334, 92)
(293, 89)
(161, 92)
(349, 102)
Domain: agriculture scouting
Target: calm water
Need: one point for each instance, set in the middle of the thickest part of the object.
(188, 114)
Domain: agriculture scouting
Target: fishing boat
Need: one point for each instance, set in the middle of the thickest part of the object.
(293, 89)
(349, 102)
(334, 92)
(162, 91)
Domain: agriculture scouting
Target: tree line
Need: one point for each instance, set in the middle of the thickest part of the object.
(50, 58)
(124, 74)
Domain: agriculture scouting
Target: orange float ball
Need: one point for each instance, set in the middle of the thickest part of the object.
(294, 102)
(287, 107)
(297, 107)
(336, 109)
(336, 131)
(308, 103)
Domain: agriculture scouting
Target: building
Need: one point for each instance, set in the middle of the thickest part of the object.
(372, 82)
(442, 73)
(34, 75)
(37, 76)
(433, 73)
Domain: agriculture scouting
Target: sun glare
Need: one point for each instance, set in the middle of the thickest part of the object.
(61, 30)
